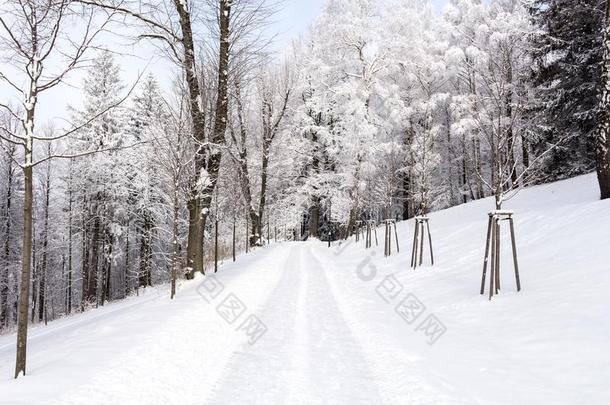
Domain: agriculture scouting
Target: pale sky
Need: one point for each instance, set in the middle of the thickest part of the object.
(293, 20)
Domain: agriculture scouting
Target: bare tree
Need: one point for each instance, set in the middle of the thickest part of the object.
(238, 151)
(172, 145)
(33, 34)
(274, 102)
(174, 28)
(272, 97)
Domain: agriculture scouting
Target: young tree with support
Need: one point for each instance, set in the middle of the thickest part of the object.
(422, 225)
(498, 60)
(390, 224)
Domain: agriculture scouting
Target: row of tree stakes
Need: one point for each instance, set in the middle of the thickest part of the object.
(367, 230)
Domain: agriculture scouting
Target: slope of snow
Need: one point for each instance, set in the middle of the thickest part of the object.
(334, 335)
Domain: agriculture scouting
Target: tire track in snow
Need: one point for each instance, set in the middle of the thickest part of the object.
(308, 355)
(399, 372)
(263, 367)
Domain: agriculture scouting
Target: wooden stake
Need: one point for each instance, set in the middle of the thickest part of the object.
(492, 252)
(497, 282)
(421, 242)
(512, 236)
(487, 240)
(493, 259)
(216, 246)
(430, 241)
(396, 235)
(415, 244)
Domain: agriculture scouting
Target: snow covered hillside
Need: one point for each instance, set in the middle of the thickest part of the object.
(301, 323)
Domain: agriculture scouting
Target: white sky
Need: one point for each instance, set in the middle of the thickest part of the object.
(293, 20)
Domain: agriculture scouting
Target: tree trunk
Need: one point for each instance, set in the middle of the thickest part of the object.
(464, 171)
(84, 260)
(145, 251)
(195, 233)
(314, 218)
(525, 159)
(234, 226)
(406, 203)
(510, 136)
(126, 284)
(35, 276)
(35, 271)
(4, 281)
(263, 196)
(109, 242)
(70, 231)
(270, 127)
(93, 265)
(478, 166)
(175, 220)
(194, 250)
(450, 157)
(602, 147)
(24, 291)
(207, 161)
(255, 234)
(42, 287)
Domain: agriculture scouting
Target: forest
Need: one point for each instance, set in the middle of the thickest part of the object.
(382, 110)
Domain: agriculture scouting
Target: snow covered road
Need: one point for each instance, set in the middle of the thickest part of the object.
(344, 325)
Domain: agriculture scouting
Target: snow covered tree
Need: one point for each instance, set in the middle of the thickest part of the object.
(96, 176)
(499, 58)
(149, 114)
(32, 34)
(567, 52)
(10, 194)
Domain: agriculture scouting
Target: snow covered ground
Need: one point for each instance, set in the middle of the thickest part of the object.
(346, 326)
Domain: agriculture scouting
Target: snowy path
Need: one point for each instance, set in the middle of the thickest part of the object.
(334, 335)
(313, 358)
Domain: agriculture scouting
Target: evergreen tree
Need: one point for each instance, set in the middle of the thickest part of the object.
(142, 167)
(567, 51)
(99, 184)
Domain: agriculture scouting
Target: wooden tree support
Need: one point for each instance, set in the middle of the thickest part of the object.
(216, 245)
(492, 251)
(371, 227)
(388, 237)
(417, 251)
